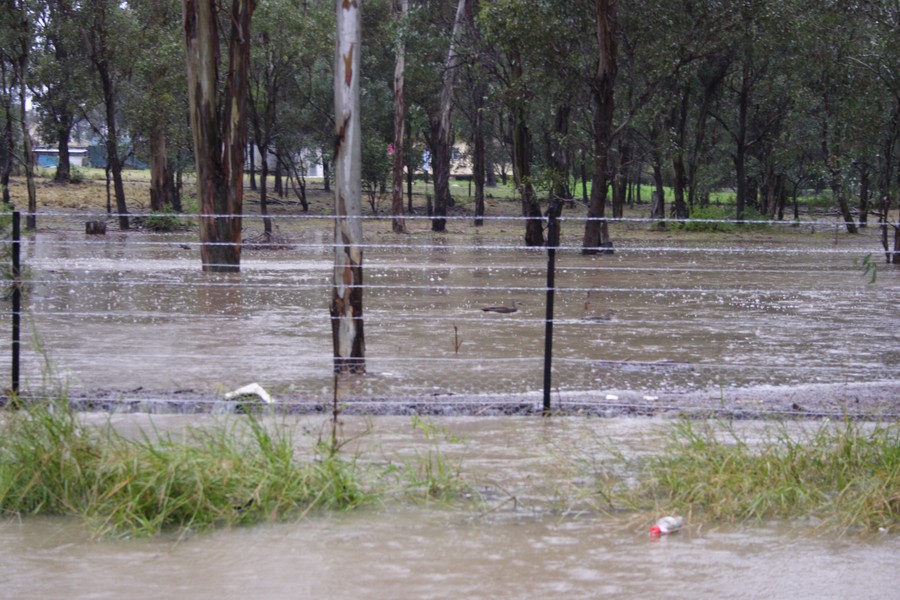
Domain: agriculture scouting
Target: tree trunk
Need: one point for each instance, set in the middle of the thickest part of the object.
(711, 79)
(99, 48)
(620, 182)
(441, 126)
(410, 169)
(347, 291)
(596, 228)
(160, 178)
(531, 209)
(264, 193)
(658, 207)
(521, 159)
(112, 148)
(558, 157)
(885, 175)
(478, 156)
(398, 224)
(863, 195)
(279, 178)
(740, 155)
(7, 145)
(64, 165)
(251, 156)
(679, 180)
(219, 128)
(839, 193)
(27, 150)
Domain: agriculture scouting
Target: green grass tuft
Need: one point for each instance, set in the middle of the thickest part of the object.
(237, 474)
(842, 475)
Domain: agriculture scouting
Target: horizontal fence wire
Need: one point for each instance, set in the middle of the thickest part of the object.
(711, 322)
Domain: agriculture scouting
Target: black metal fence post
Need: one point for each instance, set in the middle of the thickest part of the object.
(16, 301)
(552, 243)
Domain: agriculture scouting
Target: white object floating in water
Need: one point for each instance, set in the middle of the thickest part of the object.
(651, 398)
(611, 397)
(251, 389)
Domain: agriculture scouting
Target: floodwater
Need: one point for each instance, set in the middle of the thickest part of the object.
(533, 535)
(134, 312)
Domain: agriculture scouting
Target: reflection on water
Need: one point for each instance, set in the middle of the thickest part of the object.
(135, 311)
(533, 548)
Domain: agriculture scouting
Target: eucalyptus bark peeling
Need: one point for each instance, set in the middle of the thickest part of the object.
(347, 292)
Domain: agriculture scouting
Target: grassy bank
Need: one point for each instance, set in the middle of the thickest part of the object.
(237, 471)
(234, 474)
(841, 475)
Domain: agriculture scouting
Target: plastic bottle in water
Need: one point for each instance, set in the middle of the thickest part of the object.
(666, 525)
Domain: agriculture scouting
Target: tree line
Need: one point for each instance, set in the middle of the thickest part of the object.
(764, 97)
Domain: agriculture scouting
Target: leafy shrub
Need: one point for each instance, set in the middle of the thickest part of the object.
(162, 221)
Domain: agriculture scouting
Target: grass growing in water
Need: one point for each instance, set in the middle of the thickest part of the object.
(223, 475)
(846, 475)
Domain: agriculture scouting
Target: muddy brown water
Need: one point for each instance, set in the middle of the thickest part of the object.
(762, 323)
(532, 536)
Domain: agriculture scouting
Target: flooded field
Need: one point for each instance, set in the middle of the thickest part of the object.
(532, 534)
(762, 322)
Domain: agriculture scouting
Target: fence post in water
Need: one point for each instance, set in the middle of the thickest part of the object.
(552, 243)
(16, 303)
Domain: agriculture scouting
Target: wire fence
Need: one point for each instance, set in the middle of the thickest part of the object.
(769, 319)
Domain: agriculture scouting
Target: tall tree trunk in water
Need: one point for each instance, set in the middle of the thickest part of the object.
(620, 180)
(522, 153)
(440, 127)
(658, 206)
(596, 229)
(740, 153)
(219, 126)
(679, 180)
(885, 175)
(160, 178)
(863, 195)
(24, 41)
(104, 64)
(477, 94)
(264, 192)
(832, 156)
(478, 154)
(711, 79)
(399, 8)
(531, 208)
(347, 292)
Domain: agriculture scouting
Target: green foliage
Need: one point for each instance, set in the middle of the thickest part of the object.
(430, 473)
(162, 221)
(845, 475)
(376, 167)
(710, 218)
(238, 473)
(721, 219)
(870, 267)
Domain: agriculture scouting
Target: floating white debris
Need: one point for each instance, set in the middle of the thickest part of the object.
(611, 397)
(651, 398)
(251, 389)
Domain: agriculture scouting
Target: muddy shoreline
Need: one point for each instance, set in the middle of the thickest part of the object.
(875, 401)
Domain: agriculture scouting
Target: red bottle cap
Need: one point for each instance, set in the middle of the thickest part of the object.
(655, 531)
